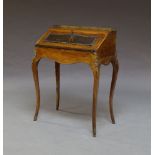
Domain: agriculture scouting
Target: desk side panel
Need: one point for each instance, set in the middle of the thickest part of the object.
(108, 47)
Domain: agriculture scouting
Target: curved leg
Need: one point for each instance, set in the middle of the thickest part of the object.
(36, 81)
(96, 73)
(115, 66)
(57, 74)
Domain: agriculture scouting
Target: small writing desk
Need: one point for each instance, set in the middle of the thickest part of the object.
(73, 44)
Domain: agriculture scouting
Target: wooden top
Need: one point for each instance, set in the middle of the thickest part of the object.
(74, 38)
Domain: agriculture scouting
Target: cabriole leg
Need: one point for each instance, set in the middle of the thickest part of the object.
(115, 66)
(96, 73)
(35, 63)
(57, 74)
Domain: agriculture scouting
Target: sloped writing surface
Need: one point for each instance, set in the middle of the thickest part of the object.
(71, 39)
(85, 40)
(58, 38)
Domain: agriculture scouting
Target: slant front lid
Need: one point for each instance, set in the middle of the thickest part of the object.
(73, 38)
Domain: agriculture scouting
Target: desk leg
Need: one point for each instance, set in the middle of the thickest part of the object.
(57, 74)
(115, 66)
(36, 81)
(96, 73)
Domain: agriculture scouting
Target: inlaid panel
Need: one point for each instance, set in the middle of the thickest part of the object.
(71, 39)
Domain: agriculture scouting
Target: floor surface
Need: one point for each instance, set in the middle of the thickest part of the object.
(68, 131)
